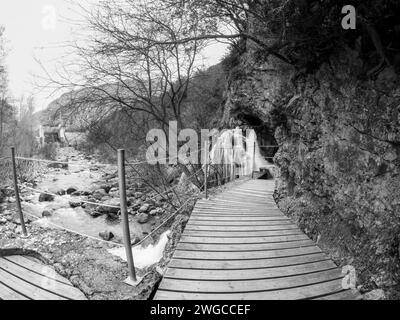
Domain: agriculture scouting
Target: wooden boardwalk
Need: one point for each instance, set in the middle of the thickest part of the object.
(24, 278)
(239, 245)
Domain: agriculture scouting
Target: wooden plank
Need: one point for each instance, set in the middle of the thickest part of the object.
(303, 292)
(42, 281)
(283, 223)
(239, 245)
(343, 295)
(228, 209)
(244, 218)
(248, 214)
(245, 264)
(235, 234)
(249, 285)
(244, 247)
(239, 205)
(186, 238)
(8, 294)
(191, 227)
(36, 267)
(26, 288)
(249, 255)
(249, 274)
(232, 202)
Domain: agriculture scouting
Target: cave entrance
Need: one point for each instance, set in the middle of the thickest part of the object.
(265, 136)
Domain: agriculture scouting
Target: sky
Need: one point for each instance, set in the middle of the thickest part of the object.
(36, 30)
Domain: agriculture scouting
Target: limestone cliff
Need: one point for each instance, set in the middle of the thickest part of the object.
(338, 131)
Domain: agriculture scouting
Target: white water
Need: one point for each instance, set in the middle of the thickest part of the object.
(145, 256)
(234, 148)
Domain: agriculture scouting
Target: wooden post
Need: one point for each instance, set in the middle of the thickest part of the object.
(254, 160)
(16, 189)
(124, 215)
(206, 169)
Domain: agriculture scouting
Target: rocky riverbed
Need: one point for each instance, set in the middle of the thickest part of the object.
(95, 267)
(63, 194)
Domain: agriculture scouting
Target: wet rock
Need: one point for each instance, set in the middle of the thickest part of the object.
(106, 188)
(138, 194)
(81, 193)
(58, 191)
(156, 212)
(143, 218)
(135, 240)
(58, 165)
(16, 220)
(71, 190)
(99, 194)
(377, 294)
(11, 200)
(106, 235)
(94, 213)
(75, 204)
(46, 214)
(106, 209)
(44, 197)
(144, 208)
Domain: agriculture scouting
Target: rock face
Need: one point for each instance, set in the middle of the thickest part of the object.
(338, 133)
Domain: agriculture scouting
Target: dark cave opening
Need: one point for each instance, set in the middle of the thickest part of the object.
(265, 135)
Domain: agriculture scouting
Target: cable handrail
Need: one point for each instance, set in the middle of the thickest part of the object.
(80, 200)
(65, 162)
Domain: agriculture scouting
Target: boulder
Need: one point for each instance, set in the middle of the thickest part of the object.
(94, 213)
(2, 195)
(81, 193)
(44, 197)
(156, 212)
(377, 294)
(75, 204)
(106, 235)
(3, 221)
(138, 194)
(58, 191)
(57, 165)
(135, 240)
(106, 188)
(11, 200)
(105, 209)
(71, 190)
(17, 221)
(99, 194)
(144, 208)
(143, 218)
(46, 214)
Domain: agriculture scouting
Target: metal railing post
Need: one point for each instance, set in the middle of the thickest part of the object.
(206, 169)
(124, 215)
(254, 161)
(16, 189)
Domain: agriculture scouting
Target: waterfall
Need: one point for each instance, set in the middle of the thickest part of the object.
(235, 151)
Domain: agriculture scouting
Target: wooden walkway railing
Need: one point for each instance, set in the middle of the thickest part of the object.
(239, 245)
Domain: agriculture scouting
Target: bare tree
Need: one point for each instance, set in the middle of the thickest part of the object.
(122, 66)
